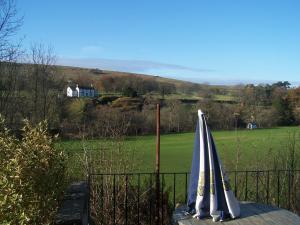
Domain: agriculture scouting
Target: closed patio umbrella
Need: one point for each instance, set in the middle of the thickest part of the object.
(209, 190)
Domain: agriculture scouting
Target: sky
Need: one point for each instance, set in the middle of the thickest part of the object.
(212, 41)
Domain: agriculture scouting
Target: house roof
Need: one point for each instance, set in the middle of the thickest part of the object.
(73, 88)
(86, 87)
(81, 87)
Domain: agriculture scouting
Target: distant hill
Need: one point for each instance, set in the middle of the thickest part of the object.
(179, 89)
(96, 74)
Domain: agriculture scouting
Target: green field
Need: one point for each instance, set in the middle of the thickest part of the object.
(256, 148)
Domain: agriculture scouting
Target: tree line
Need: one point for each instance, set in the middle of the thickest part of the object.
(266, 105)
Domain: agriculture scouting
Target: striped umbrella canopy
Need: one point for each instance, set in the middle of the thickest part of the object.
(209, 192)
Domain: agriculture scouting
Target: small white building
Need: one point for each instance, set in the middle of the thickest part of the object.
(81, 91)
(72, 92)
(251, 126)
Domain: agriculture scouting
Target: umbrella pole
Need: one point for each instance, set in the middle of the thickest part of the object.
(157, 168)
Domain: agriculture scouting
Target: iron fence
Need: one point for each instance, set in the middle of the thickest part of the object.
(149, 198)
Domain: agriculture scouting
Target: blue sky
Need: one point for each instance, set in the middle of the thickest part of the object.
(224, 41)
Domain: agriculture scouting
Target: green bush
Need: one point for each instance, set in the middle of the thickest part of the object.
(31, 175)
(104, 100)
(130, 92)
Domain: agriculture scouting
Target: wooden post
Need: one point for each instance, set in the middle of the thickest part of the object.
(157, 164)
(157, 138)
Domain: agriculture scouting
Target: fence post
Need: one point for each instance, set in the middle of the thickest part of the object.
(138, 199)
(289, 190)
(150, 200)
(162, 198)
(185, 194)
(89, 198)
(278, 184)
(157, 162)
(268, 186)
(246, 187)
(235, 183)
(114, 197)
(126, 199)
(174, 190)
(257, 174)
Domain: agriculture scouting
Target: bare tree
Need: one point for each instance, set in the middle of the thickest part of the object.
(8, 86)
(42, 73)
(10, 23)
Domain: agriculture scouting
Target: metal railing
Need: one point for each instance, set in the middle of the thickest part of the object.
(133, 198)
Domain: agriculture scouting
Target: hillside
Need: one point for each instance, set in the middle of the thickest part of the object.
(173, 88)
(96, 74)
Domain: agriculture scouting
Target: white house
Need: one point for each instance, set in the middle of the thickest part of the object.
(81, 91)
(72, 92)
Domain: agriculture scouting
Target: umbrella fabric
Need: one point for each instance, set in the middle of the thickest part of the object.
(209, 190)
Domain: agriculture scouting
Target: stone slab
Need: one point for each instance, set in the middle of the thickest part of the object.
(251, 213)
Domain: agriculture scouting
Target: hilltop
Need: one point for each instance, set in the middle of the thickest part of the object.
(114, 82)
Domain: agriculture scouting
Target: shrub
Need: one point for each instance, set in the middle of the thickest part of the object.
(130, 92)
(104, 100)
(128, 104)
(31, 175)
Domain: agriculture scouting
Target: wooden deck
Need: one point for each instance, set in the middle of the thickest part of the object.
(251, 213)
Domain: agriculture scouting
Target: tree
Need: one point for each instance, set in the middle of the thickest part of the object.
(294, 99)
(42, 80)
(9, 52)
(166, 89)
(9, 89)
(9, 25)
(175, 117)
(284, 111)
(106, 84)
(284, 84)
(84, 81)
(130, 92)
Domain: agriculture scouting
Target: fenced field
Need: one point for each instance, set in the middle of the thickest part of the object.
(242, 150)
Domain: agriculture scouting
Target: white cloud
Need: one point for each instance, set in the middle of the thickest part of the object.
(137, 66)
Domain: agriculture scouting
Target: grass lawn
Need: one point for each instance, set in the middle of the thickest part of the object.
(255, 148)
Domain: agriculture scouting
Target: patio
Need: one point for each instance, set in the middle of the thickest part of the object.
(251, 213)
